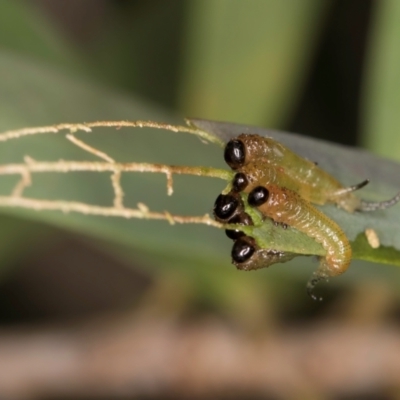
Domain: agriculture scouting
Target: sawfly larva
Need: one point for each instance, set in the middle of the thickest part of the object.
(265, 161)
(285, 206)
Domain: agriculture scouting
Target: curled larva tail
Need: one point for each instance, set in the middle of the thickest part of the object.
(315, 278)
(380, 205)
(334, 241)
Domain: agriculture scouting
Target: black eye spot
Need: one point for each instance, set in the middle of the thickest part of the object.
(233, 233)
(239, 182)
(225, 206)
(246, 219)
(243, 219)
(258, 196)
(234, 153)
(243, 249)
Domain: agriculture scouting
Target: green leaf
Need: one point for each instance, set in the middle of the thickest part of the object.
(35, 94)
(349, 166)
(195, 249)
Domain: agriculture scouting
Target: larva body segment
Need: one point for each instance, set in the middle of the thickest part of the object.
(287, 207)
(268, 161)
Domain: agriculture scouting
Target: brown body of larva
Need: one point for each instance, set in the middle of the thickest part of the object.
(325, 192)
(287, 207)
(268, 161)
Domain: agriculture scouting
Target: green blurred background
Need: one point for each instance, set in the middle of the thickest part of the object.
(326, 69)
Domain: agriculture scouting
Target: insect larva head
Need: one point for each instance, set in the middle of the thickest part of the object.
(243, 249)
(243, 219)
(258, 196)
(234, 154)
(239, 182)
(225, 207)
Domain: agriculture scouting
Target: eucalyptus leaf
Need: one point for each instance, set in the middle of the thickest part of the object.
(70, 98)
(349, 166)
(35, 94)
